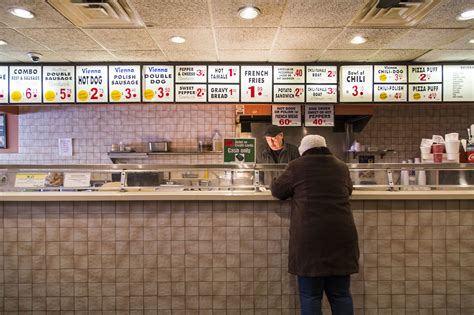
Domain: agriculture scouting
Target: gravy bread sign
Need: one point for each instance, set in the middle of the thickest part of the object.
(256, 84)
(91, 84)
(191, 74)
(191, 93)
(3, 84)
(321, 93)
(223, 93)
(319, 116)
(58, 84)
(356, 83)
(288, 93)
(288, 74)
(458, 83)
(224, 74)
(158, 83)
(286, 115)
(25, 84)
(321, 74)
(124, 83)
(425, 74)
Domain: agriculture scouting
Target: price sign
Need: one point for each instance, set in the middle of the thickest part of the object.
(191, 93)
(321, 74)
(224, 74)
(424, 74)
(124, 84)
(76, 180)
(3, 84)
(158, 85)
(458, 83)
(191, 74)
(288, 93)
(256, 84)
(30, 180)
(25, 84)
(390, 74)
(223, 93)
(356, 83)
(58, 84)
(323, 93)
(319, 116)
(288, 74)
(390, 92)
(91, 84)
(286, 115)
(425, 93)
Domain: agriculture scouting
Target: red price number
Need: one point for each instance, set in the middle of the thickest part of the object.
(200, 73)
(255, 91)
(356, 91)
(432, 96)
(28, 93)
(284, 121)
(128, 93)
(298, 72)
(331, 91)
(298, 92)
(398, 95)
(423, 77)
(318, 121)
(94, 94)
(331, 74)
(200, 92)
(398, 77)
(232, 72)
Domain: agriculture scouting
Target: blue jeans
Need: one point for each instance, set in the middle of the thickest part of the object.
(337, 289)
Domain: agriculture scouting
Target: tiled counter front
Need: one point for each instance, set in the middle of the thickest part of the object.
(175, 257)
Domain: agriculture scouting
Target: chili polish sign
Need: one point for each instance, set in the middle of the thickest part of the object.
(286, 115)
(319, 116)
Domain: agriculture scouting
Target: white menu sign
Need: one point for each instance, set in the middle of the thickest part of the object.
(390, 92)
(319, 115)
(321, 74)
(321, 93)
(91, 84)
(288, 74)
(286, 115)
(158, 85)
(3, 84)
(458, 83)
(223, 74)
(25, 84)
(424, 74)
(390, 74)
(191, 74)
(124, 83)
(356, 83)
(285, 93)
(74, 180)
(191, 93)
(425, 93)
(223, 93)
(256, 84)
(58, 84)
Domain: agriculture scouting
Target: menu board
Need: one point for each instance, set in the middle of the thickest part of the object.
(124, 84)
(158, 85)
(390, 92)
(191, 74)
(321, 93)
(191, 93)
(25, 84)
(285, 93)
(390, 74)
(321, 74)
(356, 83)
(91, 84)
(425, 93)
(58, 84)
(223, 74)
(288, 74)
(223, 93)
(3, 84)
(425, 74)
(319, 116)
(458, 83)
(256, 84)
(286, 115)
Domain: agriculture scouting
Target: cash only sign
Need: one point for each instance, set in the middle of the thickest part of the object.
(239, 150)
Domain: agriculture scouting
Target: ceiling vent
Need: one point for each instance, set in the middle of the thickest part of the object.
(393, 13)
(98, 13)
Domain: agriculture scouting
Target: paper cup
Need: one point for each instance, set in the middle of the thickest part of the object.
(438, 148)
(454, 136)
(425, 150)
(438, 157)
(452, 146)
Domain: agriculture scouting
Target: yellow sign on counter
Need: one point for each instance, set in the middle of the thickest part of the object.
(30, 180)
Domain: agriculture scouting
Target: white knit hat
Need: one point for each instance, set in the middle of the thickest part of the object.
(311, 141)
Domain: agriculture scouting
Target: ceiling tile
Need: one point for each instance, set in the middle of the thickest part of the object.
(245, 38)
(426, 38)
(62, 39)
(196, 38)
(305, 38)
(87, 55)
(119, 39)
(225, 13)
(444, 15)
(236, 55)
(190, 55)
(295, 55)
(461, 43)
(387, 55)
(310, 13)
(45, 15)
(447, 55)
(139, 55)
(173, 14)
(376, 38)
(347, 55)
(47, 56)
(7, 58)
(17, 41)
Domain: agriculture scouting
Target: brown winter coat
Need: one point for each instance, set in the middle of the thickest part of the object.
(323, 236)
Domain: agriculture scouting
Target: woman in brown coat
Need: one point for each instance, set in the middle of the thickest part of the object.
(323, 250)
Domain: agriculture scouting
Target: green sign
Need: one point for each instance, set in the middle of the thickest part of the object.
(239, 150)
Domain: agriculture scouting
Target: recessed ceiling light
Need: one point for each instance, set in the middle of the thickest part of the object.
(471, 41)
(22, 13)
(358, 40)
(249, 13)
(177, 39)
(466, 15)
(3, 43)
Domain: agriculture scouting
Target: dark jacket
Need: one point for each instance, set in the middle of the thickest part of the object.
(288, 153)
(323, 236)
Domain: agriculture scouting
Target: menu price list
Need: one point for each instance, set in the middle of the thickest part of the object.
(25, 84)
(458, 83)
(124, 83)
(91, 84)
(356, 83)
(158, 83)
(58, 84)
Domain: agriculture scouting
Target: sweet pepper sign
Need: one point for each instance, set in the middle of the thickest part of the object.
(319, 116)
(239, 150)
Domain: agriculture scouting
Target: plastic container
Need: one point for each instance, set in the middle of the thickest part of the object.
(216, 142)
(438, 150)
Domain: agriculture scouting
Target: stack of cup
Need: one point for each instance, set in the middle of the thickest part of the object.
(425, 153)
(452, 144)
(438, 149)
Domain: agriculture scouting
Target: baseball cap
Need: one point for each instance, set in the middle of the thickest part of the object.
(272, 131)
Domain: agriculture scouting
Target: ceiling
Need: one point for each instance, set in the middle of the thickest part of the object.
(286, 31)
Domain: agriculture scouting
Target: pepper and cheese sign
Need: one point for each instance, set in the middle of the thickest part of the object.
(239, 150)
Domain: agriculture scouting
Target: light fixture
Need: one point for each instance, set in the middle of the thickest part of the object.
(3, 43)
(357, 40)
(22, 13)
(177, 39)
(466, 15)
(471, 41)
(249, 13)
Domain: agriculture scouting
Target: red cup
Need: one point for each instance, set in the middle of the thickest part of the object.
(438, 157)
(437, 148)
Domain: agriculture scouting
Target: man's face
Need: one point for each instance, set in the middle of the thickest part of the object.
(275, 143)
